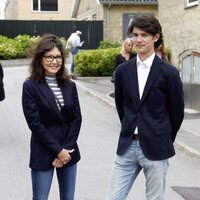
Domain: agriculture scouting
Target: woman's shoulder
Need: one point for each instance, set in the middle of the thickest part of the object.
(69, 84)
(132, 55)
(29, 83)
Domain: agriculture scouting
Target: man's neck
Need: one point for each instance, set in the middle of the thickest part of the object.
(143, 57)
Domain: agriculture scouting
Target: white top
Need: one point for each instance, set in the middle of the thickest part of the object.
(75, 40)
(143, 69)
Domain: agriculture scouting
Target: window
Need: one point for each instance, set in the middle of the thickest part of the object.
(45, 5)
(190, 66)
(197, 69)
(186, 69)
(190, 3)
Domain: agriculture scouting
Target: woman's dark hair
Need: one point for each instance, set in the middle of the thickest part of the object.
(148, 24)
(37, 72)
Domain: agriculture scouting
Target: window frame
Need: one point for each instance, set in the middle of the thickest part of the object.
(43, 11)
(195, 54)
(191, 4)
(191, 55)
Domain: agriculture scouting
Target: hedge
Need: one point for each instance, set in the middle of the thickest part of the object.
(96, 62)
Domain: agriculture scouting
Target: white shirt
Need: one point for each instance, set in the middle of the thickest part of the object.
(74, 40)
(143, 69)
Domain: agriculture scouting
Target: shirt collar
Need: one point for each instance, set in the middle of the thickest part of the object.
(148, 62)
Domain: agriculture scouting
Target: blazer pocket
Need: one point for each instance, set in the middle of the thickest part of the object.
(163, 129)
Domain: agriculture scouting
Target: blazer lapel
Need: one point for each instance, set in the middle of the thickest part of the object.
(133, 80)
(48, 95)
(65, 94)
(154, 72)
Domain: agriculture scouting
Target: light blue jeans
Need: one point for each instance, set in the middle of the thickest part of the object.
(41, 182)
(127, 168)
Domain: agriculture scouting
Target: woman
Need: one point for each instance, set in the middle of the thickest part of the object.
(124, 55)
(161, 53)
(51, 108)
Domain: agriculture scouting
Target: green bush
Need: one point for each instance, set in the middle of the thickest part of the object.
(7, 48)
(96, 62)
(105, 44)
(21, 46)
(15, 48)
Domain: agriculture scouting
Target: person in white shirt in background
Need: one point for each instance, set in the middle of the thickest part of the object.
(73, 43)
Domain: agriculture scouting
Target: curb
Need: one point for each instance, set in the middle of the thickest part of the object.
(187, 148)
(97, 96)
(16, 62)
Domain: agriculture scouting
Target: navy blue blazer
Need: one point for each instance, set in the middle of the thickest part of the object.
(2, 92)
(52, 130)
(158, 114)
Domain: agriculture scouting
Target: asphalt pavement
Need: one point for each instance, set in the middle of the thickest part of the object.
(97, 141)
(188, 137)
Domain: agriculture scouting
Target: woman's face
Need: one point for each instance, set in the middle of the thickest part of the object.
(128, 46)
(52, 61)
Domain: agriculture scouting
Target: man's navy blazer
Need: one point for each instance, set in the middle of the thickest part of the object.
(52, 130)
(158, 114)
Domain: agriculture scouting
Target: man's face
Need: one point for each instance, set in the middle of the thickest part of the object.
(144, 42)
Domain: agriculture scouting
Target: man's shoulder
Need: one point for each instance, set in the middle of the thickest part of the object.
(165, 67)
(168, 68)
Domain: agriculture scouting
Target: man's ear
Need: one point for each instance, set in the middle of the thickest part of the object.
(156, 37)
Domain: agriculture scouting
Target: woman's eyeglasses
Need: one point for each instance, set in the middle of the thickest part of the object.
(50, 58)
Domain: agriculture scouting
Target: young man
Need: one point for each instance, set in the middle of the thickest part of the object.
(150, 105)
(2, 93)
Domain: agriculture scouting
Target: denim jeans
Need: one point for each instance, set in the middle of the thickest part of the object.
(74, 51)
(41, 182)
(127, 168)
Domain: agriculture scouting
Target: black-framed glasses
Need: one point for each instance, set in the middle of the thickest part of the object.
(50, 58)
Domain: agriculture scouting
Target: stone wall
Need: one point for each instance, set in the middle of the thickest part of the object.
(180, 27)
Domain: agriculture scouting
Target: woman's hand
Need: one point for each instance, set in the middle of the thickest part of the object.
(64, 156)
(57, 163)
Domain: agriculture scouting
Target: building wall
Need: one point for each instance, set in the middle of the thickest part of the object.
(113, 18)
(180, 27)
(10, 10)
(90, 10)
(16, 11)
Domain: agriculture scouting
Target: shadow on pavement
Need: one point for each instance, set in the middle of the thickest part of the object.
(188, 193)
(192, 116)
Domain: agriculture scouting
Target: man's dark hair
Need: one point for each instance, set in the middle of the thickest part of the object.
(148, 24)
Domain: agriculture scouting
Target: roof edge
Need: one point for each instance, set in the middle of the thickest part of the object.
(128, 2)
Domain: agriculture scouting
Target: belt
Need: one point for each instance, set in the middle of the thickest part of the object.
(135, 137)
